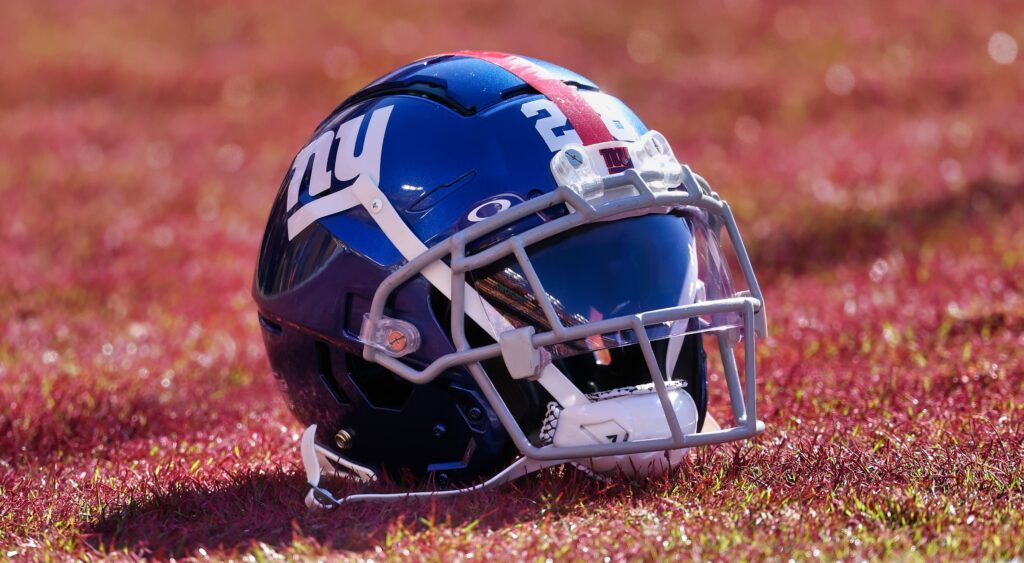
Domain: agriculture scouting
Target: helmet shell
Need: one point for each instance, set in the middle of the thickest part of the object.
(457, 147)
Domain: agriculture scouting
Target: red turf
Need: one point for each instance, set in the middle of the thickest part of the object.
(873, 153)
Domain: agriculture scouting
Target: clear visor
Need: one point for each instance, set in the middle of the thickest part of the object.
(600, 271)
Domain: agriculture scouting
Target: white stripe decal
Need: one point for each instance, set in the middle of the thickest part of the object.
(440, 276)
(320, 208)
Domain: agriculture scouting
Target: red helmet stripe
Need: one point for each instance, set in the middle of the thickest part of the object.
(584, 119)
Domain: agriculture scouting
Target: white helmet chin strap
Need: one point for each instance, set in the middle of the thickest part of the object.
(320, 461)
(627, 413)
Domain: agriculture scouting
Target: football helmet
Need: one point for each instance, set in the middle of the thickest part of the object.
(481, 265)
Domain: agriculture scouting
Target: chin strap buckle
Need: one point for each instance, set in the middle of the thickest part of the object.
(319, 498)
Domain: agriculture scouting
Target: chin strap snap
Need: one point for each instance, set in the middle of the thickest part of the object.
(319, 498)
(319, 461)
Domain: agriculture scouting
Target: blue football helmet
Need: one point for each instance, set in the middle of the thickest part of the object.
(481, 265)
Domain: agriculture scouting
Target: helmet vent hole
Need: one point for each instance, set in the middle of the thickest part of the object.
(380, 387)
(326, 369)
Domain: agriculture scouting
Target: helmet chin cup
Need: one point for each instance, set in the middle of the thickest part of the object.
(633, 417)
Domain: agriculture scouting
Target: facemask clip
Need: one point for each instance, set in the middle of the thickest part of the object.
(521, 358)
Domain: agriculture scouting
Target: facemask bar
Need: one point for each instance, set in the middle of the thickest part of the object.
(644, 198)
(676, 261)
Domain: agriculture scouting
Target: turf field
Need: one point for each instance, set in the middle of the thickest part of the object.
(873, 153)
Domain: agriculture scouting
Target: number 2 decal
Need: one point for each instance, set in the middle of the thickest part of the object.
(546, 126)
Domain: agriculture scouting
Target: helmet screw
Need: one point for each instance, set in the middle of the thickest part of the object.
(439, 430)
(397, 341)
(475, 413)
(343, 439)
(376, 205)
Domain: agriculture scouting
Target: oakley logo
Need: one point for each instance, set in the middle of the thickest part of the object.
(488, 209)
(616, 159)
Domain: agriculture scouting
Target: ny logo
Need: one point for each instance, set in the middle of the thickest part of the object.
(348, 167)
(616, 159)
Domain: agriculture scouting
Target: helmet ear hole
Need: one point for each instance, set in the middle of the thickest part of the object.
(381, 388)
(326, 368)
